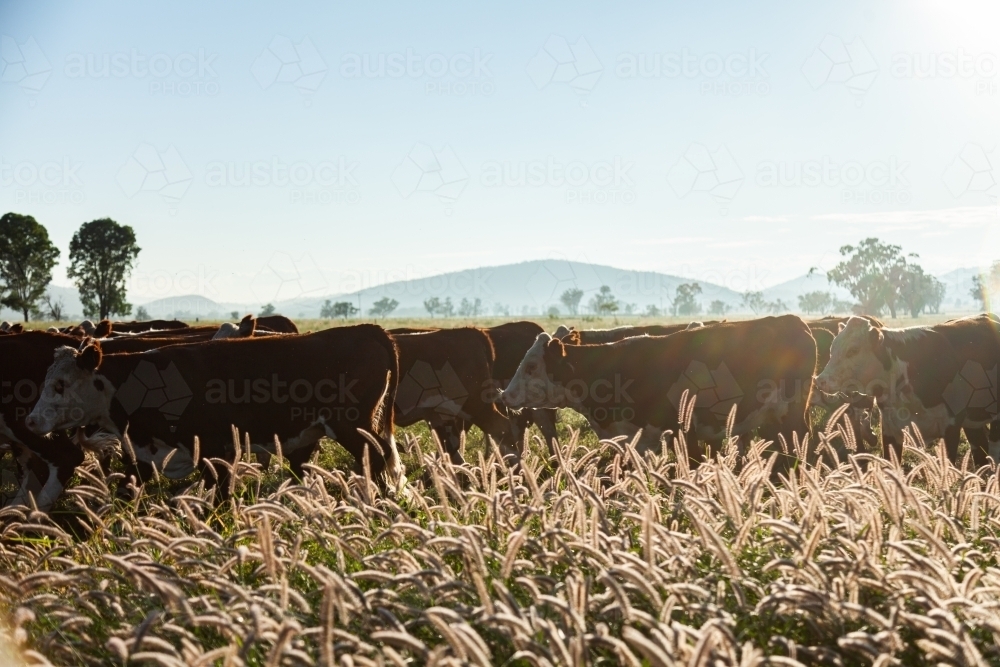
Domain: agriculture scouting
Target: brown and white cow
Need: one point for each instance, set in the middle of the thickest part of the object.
(46, 463)
(244, 329)
(277, 324)
(446, 379)
(573, 336)
(147, 325)
(861, 408)
(940, 378)
(511, 341)
(334, 383)
(764, 367)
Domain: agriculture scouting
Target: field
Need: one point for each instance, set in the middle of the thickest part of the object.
(594, 557)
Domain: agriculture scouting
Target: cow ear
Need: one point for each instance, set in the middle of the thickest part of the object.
(877, 341)
(103, 329)
(840, 327)
(247, 326)
(89, 357)
(555, 348)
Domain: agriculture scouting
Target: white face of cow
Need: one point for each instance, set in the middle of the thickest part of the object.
(531, 387)
(74, 394)
(226, 330)
(853, 365)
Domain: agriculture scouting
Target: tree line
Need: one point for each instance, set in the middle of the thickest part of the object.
(102, 254)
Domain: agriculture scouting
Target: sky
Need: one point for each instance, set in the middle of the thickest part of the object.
(349, 144)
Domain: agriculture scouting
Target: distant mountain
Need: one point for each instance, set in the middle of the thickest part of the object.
(192, 307)
(527, 288)
(959, 286)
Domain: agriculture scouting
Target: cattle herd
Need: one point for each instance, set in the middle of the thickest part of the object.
(182, 398)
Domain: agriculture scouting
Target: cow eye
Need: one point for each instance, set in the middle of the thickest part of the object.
(98, 385)
(59, 387)
(531, 368)
(853, 351)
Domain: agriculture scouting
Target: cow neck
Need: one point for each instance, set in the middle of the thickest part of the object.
(585, 361)
(925, 381)
(115, 368)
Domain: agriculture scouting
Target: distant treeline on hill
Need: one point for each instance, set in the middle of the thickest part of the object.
(872, 277)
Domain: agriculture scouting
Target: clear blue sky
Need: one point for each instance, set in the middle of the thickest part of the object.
(694, 138)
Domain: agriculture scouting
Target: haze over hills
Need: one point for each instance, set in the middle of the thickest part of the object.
(526, 288)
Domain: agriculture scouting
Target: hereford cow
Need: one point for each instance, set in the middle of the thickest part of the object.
(277, 324)
(334, 383)
(940, 378)
(573, 336)
(46, 463)
(862, 407)
(446, 380)
(148, 325)
(244, 329)
(764, 367)
(511, 341)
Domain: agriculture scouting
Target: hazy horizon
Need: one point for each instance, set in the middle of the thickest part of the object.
(369, 143)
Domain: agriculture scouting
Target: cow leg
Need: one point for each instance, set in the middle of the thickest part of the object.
(952, 436)
(545, 419)
(979, 443)
(31, 467)
(449, 432)
(892, 443)
(502, 430)
(299, 457)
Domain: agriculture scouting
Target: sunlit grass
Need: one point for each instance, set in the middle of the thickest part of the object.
(609, 559)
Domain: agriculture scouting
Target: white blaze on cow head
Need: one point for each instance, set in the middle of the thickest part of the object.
(532, 385)
(74, 394)
(244, 329)
(858, 359)
(561, 331)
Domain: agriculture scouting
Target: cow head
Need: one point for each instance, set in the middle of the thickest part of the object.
(244, 329)
(102, 329)
(858, 359)
(536, 384)
(74, 394)
(568, 335)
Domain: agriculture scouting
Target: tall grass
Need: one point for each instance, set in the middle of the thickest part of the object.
(598, 556)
